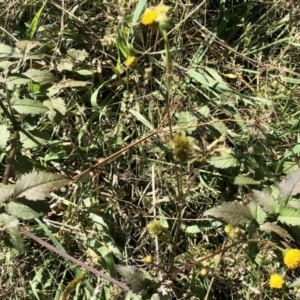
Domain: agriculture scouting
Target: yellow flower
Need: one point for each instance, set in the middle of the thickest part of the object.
(130, 61)
(148, 259)
(276, 281)
(149, 16)
(292, 258)
(161, 11)
(155, 14)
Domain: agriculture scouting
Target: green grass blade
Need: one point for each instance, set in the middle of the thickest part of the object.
(34, 23)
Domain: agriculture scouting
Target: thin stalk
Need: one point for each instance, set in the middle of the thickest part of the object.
(74, 260)
(180, 198)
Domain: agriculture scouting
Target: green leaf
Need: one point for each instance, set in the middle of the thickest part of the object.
(77, 55)
(294, 203)
(5, 50)
(295, 150)
(85, 72)
(290, 186)
(206, 80)
(65, 65)
(28, 106)
(34, 23)
(135, 278)
(295, 284)
(5, 191)
(204, 111)
(55, 104)
(289, 216)
(141, 118)
(187, 121)
(242, 180)
(265, 200)
(56, 88)
(109, 260)
(15, 238)
(275, 228)
(33, 139)
(289, 167)
(4, 134)
(219, 126)
(257, 213)
(40, 76)
(224, 161)
(25, 45)
(27, 210)
(231, 212)
(11, 226)
(6, 64)
(37, 185)
(138, 10)
(17, 80)
(8, 221)
(193, 229)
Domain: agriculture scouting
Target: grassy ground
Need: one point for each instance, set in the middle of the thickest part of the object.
(225, 68)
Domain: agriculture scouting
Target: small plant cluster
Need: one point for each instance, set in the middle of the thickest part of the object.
(276, 213)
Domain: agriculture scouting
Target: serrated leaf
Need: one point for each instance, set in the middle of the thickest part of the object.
(224, 161)
(40, 76)
(4, 134)
(37, 185)
(219, 126)
(231, 212)
(242, 180)
(275, 228)
(15, 238)
(26, 209)
(64, 65)
(289, 166)
(33, 139)
(6, 64)
(265, 200)
(257, 213)
(289, 216)
(5, 50)
(290, 186)
(26, 46)
(17, 79)
(55, 104)
(8, 221)
(77, 55)
(204, 111)
(28, 106)
(186, 120)
(135, 278)
(11, 226)
(5, 191)
(294, 203)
